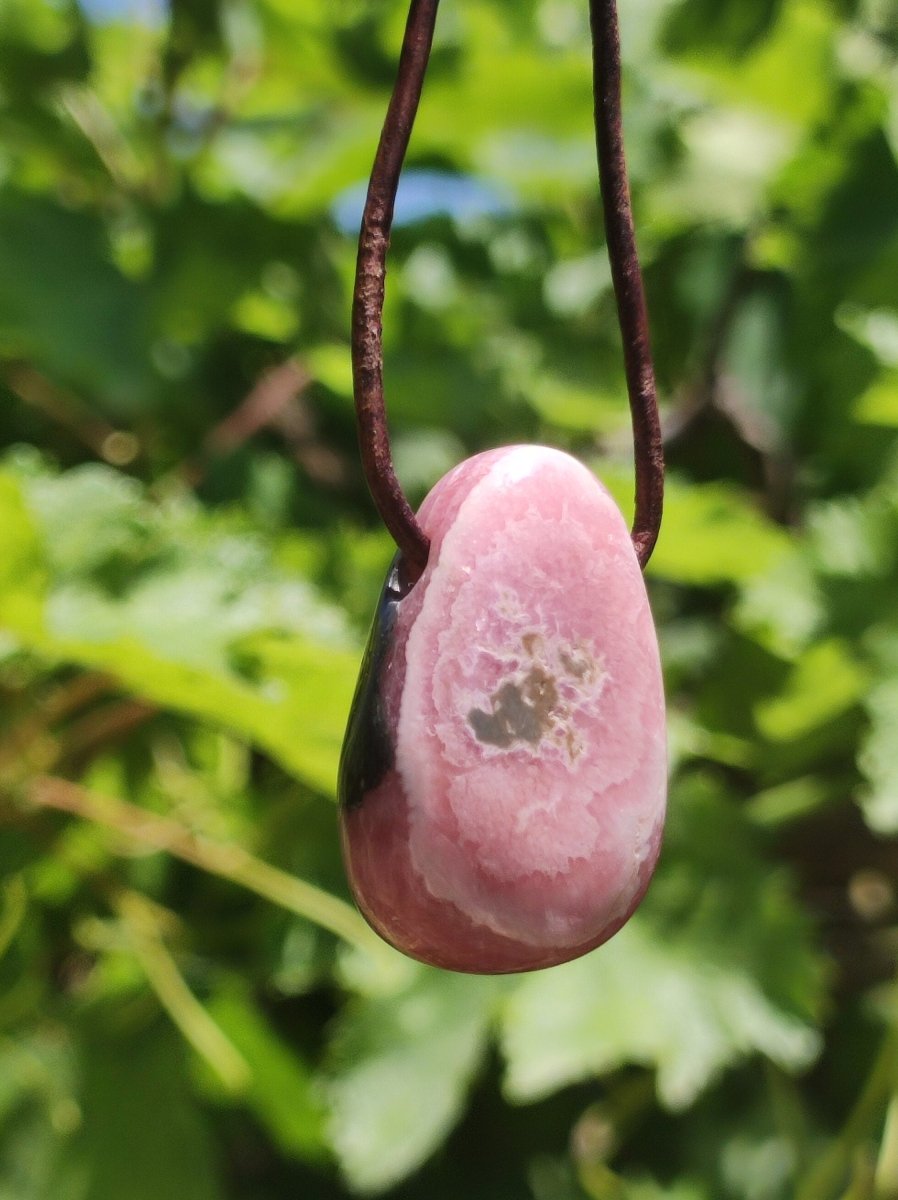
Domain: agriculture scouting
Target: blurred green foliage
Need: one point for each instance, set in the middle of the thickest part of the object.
(189, 1007)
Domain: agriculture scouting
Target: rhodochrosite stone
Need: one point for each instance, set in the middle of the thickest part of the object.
(503, 780)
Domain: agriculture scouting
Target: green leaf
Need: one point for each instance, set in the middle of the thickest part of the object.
(637, 1001)
(803, 33)
(141, 1134)
(37, 1104)
(180, 610)
(878, 759)
(825, 682)
(644, 1189)
(716, 966)
(403, 1066)
(63, 305)
(113, 521)
(727, 25)
(877, 329)
(23, 572)
(854, 537)
(783, 608)
(878, 405)
(282, 1092)
(745, 151)
(331, 364)
(29, 1147)
(712, 533)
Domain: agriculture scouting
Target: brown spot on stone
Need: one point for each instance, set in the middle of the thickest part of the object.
(530, 641)
(519, 712)
(573, 745)
(578, 667)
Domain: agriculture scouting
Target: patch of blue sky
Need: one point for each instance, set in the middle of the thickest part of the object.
(423, 194)
(144, 12)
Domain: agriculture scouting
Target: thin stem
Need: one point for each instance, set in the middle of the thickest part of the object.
(831, 1168)
(627, 276)
(195, 1023)
(229, 862)
(368, 300)
(15, 908)
(887, 1163)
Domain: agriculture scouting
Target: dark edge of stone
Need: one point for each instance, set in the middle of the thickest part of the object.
(368, 749)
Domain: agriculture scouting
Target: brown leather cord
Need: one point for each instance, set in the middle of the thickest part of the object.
(368, 301)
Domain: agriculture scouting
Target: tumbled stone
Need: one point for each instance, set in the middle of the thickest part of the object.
(503, 781)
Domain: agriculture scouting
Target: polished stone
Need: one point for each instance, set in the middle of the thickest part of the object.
(503, 782)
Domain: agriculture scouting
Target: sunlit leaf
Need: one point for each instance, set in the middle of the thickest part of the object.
(879, 758)
(712, 533)
(402, 1069)
(282, 1091)
(878, 405)
(689, 1002)
(824, 683)
(140, 1134)
(202, 622)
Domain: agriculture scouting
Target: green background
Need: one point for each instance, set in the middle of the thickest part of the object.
(189, 1007)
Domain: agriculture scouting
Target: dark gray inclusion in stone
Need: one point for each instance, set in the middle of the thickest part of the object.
(519, 711)
(368, 747)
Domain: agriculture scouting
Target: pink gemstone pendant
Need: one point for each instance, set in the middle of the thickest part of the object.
(503, 780)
